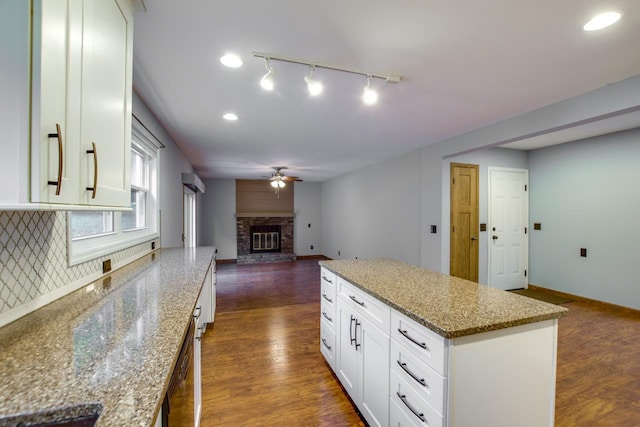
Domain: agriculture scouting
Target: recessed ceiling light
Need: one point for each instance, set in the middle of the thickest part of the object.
(231, 60)
(230, 117)
(601, 21)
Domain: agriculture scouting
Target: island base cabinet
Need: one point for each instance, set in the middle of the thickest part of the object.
(363, 364)
(504, 378)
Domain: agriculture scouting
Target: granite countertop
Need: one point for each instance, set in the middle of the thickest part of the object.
(450, 306)
(111, 344)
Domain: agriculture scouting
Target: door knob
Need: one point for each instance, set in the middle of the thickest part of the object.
(474, 238)
(494, 237)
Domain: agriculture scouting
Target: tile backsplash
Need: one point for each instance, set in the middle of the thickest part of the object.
(33, 258)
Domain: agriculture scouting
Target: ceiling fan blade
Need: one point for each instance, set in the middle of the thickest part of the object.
(290, 178)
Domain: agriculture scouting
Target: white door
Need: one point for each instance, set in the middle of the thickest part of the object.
(189, 218)
(508, 234)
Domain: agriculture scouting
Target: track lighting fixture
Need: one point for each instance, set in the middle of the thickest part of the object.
(369, 96)
(267, 80)
(314, 86)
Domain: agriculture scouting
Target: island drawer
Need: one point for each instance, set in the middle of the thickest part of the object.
(372, 308)
(410, 407)
(426, 382)
(328, 312)
(328, 280)
(328, 343)
(428, 346)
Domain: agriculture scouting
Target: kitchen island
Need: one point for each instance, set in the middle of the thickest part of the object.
(417, 347)
(108, 348)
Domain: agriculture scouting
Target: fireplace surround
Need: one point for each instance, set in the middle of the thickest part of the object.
(247, 227)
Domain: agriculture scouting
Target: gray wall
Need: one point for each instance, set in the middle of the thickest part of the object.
(308, 208)
(585, 194)
(218, 217)
(374, 212)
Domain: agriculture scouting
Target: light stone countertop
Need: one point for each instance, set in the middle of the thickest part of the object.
(450, 306)
(113, 342)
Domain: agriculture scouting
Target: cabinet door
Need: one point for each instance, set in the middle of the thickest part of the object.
(55, 62)
(106, 102)
(348, 357)
(374, 395)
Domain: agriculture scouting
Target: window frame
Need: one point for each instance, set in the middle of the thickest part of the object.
(87, 248)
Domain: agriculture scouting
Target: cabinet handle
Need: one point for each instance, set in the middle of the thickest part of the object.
(325, 278)
(325, 344)
(199, 336)
(198, 310)
(94, 151)
(356, 333)
(413, 340)
(411, 374)
(351, 330)
(58, 135)
(403, 397)
(327, 317)
(354, 299)
(327, 298)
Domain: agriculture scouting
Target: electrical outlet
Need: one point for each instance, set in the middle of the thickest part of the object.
(583, 252)
(311, 247)
(106, 266)
(433, 229)
(309, 225)
(153, 245)
(338, 253)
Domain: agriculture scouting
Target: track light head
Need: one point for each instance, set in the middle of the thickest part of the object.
(369, 96)
(267, 80)
(314, 86)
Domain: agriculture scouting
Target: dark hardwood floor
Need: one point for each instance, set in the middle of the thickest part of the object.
(262, 364)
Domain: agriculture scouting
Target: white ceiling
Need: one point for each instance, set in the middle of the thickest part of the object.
(465, 64)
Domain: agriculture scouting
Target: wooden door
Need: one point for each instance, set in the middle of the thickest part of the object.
(464, 221)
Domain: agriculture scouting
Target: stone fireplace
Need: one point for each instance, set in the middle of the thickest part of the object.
(264, 239)
(264, 222)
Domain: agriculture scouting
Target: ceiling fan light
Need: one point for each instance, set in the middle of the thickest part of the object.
(602, 21)
(274, 184)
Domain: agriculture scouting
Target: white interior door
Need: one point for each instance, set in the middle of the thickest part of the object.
(508, 234)
(189, 218)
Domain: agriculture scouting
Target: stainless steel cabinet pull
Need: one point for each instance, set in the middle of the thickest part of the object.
(354, 299)
(327, 317)
(94, 151)
(197, 311)
(325, 278)
(58, 135)
(325, 344)
(351, 330)
(413, 340)
(411, 374)
(326, 297)
(199, 337)
(356, 333)
(403, 397)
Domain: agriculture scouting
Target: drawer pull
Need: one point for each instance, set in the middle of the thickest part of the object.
(413, 340)
(196, 312)
(403, 397)
(327, 298)
(354, 299)
(326, 280)
(411, 374)
(325, 344)
(351, 329)
(327, 317)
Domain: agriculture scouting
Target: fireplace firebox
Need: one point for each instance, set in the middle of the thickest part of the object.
(265, 238)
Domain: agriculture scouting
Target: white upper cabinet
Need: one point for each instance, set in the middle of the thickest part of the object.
(70, 146)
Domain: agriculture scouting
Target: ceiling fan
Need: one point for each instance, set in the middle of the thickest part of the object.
(279, 179)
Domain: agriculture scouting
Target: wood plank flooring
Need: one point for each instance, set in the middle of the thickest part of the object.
(262, 364)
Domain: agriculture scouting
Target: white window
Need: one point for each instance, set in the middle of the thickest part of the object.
(96, 233)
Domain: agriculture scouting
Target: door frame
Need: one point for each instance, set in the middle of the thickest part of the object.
(188, 217)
